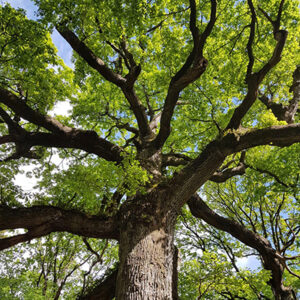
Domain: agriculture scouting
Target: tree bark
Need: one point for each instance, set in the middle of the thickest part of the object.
(146, 253)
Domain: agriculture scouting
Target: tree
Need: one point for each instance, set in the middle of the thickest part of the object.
(151, 127)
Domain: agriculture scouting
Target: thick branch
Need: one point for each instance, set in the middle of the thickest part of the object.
(251, 40)
(42, 220)
(209, 27)
(105, 290)
(175, 159)
(186, 182)
(286, 112)
(271, 260)
(61, 136)
(86, 140)
(126, 84)
(276, 23)
(6, 139)
(18, 106)
(139, 111)
(200, 210)
(191, 70)
(90, 57)
(17, 134)
(254, 80)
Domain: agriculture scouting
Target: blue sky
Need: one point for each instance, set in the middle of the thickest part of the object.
(64, 50)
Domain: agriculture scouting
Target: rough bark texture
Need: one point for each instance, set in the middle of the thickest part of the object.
(146, 254)
(42, 220)
(106, 290)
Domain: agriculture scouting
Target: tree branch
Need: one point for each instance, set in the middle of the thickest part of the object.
(200, 210)
(126, 84)
(251, 40)
(104, 290)
(61, 136)
(191, 70)
(271, 260)
(175, 159)
(42, 220)
(18, 106)
(286, 112)
(276, 23)
(188, 180)
(254, 80)
(270, 174)
(6, 139)
(219, 176)
(222, 176)
(90, 57)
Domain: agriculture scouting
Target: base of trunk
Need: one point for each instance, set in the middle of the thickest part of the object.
(146, 269)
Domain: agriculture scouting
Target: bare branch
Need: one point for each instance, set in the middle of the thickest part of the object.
(42, 220)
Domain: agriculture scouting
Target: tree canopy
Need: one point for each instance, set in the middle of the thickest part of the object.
(178, 159)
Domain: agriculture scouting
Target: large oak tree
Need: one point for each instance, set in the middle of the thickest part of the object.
(173, 103)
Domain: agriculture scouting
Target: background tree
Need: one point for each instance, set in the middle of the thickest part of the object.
(150, 126)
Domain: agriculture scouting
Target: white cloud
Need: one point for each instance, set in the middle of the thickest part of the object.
(61, 108)
(25, 182)
(250, 262)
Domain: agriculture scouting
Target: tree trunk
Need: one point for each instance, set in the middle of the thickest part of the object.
(277, 268)
(285, 293)
(147, 255)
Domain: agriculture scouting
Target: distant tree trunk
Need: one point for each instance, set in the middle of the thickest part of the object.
(147, 254)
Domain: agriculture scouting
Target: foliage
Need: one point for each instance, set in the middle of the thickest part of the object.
(42, 267)
(155, 38)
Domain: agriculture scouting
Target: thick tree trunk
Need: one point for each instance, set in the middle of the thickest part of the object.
(283, 293)
(147, 255)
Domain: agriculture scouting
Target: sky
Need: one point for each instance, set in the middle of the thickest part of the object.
(61, 108)
(65, 52)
